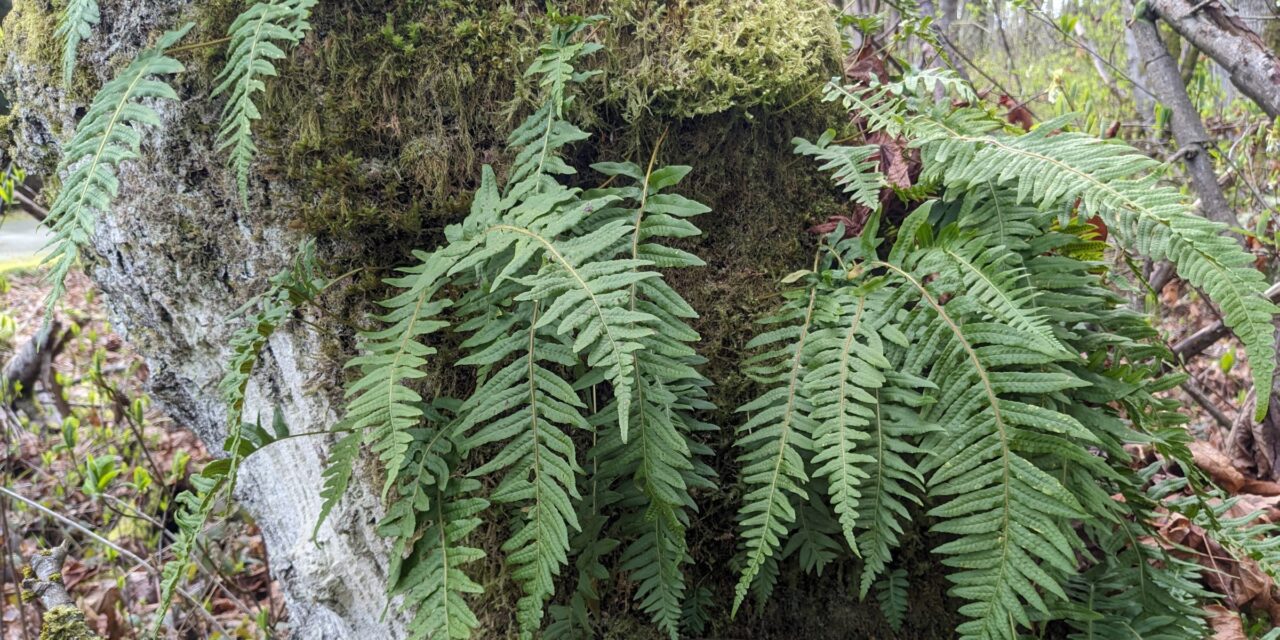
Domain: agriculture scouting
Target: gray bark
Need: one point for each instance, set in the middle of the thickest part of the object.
(173, 257)
(1165, 79)
(1225, 38)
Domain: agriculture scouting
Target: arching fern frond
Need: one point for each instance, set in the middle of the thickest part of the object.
(776, 437)
(258, 36)
(75, 24)
(108, 135)
(1011, 518)
(1112, 181)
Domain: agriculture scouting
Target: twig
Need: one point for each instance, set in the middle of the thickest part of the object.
(1193, 390)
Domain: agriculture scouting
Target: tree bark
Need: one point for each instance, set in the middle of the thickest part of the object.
(1165, 79)
(1215, 30)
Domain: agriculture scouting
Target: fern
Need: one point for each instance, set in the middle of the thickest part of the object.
(981, 368)
(257, 36)
(775, 437)
(75, 24)
(1114, 182)
(108, 135)
(552, 280)
(891, 591)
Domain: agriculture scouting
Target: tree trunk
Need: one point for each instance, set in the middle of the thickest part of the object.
(373, 146)
(1165, 79)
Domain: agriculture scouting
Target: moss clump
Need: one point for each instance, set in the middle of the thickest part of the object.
(743, 53)
(65, 623)
(382, 117)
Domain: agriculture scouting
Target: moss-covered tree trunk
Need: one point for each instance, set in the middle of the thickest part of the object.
(373, 138)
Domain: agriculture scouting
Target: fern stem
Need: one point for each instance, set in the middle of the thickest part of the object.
(200, 45)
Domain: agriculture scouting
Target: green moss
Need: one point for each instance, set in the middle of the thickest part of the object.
(65, 623)
(383, 117)
(728, 54)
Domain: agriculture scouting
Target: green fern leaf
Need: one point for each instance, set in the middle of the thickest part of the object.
(1110, 180)
(891, 591)
(527, 408)
(257, 37)
(75, 24)
(108, 135)
(852, 167)
(775, 437)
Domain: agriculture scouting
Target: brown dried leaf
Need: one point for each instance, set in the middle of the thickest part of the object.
(1216, 463)
(1226, 624)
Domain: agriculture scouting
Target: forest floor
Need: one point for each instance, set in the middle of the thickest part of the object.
(105, 460)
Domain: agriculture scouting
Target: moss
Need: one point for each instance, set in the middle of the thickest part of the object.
(65, 623)
(732, 54)
(384, 116)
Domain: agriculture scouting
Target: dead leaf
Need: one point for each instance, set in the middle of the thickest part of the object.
(1226, 624)
(1216, 463)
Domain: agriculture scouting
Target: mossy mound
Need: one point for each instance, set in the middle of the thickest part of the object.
(384, 115)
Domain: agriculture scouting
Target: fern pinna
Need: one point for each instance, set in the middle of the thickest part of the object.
(980, 367)
(575, 338)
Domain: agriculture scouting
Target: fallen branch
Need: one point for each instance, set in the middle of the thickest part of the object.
(62, 620)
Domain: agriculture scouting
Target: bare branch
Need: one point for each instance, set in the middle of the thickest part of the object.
(1215, 30)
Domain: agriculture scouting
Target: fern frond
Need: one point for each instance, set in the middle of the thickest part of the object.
(293, 286)
(892, 480)
(891, 592)
(108, 135)
(258, 36)
(1011, 518)
(844, 370)
(429, 522)
(991, 277)
(528, 408)
(380, 402)
(1112, 181)
(659, 455)
(775, 437)
(851, 167)
(75, 24)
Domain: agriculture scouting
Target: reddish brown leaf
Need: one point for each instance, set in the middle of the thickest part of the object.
(1226, 624)
(1217, 465)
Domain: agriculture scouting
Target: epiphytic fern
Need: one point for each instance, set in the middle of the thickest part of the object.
(75, 24)
(258, 37)
(108, 135)
(556, 299)
(962, 150)
(981, 367)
